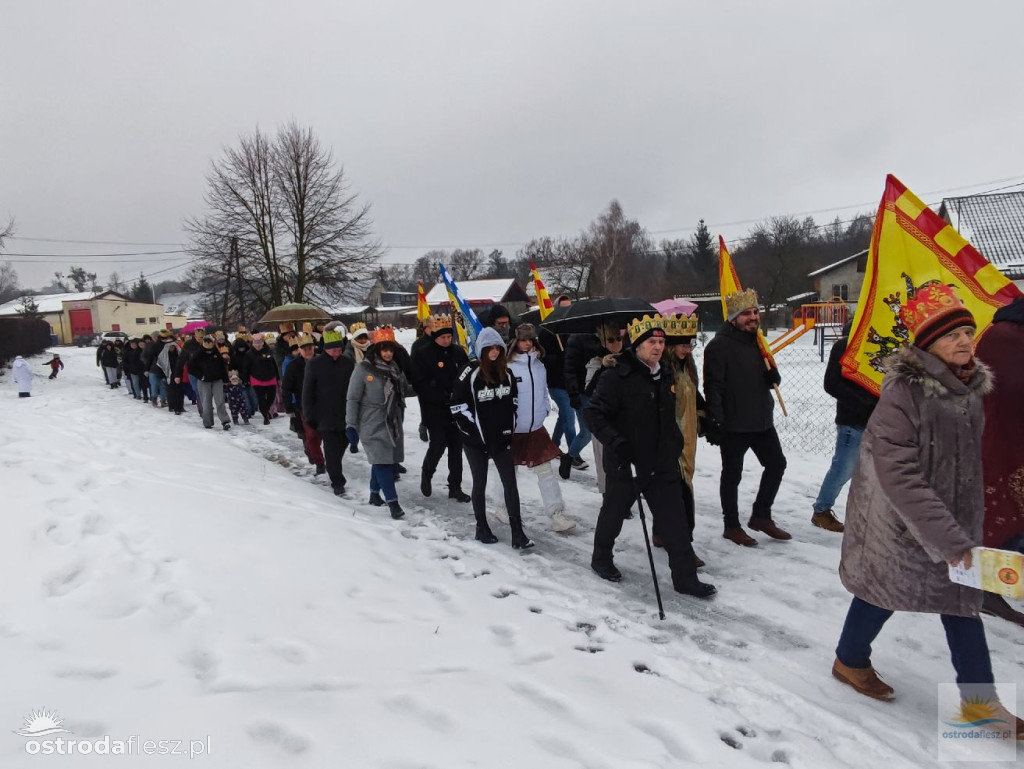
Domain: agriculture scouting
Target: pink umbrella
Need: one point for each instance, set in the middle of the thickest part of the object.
(191, 326)
(675, 307)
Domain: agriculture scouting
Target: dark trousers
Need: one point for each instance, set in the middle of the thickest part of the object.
(768, 450)
(265, 398)
(444, 438)
(175, 397)
(477, 459)
(965, 636)
(335, 444)
(665, 502)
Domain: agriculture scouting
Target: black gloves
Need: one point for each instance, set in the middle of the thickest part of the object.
(575, 401)
(623, 455)
(773, 376)
(713, 431)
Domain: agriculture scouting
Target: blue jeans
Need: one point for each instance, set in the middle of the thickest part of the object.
(251, 400)
(566, 424)
(965, 636)
(157, 388)
(844, 460)
(382, 481)
(583, 436)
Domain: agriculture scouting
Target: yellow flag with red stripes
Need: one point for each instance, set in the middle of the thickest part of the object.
(729, 283)
(422, 308)
(911, 245)
(543, 299)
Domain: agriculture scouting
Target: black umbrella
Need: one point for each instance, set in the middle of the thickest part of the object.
(533, 316)
(583, 316)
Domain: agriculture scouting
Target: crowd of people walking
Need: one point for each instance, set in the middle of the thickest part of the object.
(930, 479)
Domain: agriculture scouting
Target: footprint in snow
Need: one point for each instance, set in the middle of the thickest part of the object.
(272, 734)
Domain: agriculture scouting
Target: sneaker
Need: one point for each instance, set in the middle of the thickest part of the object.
(320, 470)
(459, 495)
(560, 523)
(767, 526)
(564, 466)
(607, 571)
(864, 680)
(425, 489)
(739, 536)
(827, 520)
(578, 463)
(396, 510)
(484, 534)
(375, 499)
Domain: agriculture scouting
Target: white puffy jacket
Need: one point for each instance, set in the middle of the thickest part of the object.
(532, 381)
(22, 375)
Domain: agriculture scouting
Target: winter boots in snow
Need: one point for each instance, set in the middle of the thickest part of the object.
(737, 535)
(565, 466)
(606, 570)
(767, 526)
(827, 520)
(375, 499)
(396, 510)
(484, 534)
(425, 489)
(561, 524)
(520, 541)
(320, 469)
(864, 680)
(459, 495)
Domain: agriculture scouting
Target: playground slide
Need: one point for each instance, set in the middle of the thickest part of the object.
(788, 338)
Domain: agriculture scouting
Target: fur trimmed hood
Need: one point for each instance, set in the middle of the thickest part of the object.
(937, 380)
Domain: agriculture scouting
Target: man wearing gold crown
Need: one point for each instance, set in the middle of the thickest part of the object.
(738, 392)
(633, 414)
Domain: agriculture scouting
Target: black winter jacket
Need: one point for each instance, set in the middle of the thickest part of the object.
(637, 410)
(106, 356)
(325, 391)
(854, 404)
(149, 353)
(736, 386)
(435, 370)
(258, 364)
(208, 366)
(131, 360)
(291, 384)
(578, 351)
(485, 414)
(554, 359)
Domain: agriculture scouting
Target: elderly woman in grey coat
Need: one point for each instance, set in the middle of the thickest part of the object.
(375, 412)
(916, 504)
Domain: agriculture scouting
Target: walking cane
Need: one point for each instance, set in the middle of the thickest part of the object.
(647, 540)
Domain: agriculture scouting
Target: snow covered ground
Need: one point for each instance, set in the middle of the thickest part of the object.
(173, 583)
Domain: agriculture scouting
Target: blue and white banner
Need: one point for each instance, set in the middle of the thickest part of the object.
(467, 324)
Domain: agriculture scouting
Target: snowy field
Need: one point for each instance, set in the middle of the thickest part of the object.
(172, 583)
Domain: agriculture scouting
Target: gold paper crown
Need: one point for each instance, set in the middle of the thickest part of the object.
(679, 325)
(738, 301)
(333, 337)
(383, 334)
(356, 327)
(639, 326)
(303, 339)
(440, 321)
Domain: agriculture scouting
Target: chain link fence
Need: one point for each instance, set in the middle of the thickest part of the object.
(809, 427)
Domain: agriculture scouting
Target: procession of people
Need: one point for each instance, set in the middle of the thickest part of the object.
(930, 478)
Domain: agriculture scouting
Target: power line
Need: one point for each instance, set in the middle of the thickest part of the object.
(92, 242)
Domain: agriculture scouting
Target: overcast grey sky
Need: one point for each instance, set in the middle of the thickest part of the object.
(478, 123)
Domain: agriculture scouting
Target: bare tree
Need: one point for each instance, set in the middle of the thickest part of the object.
(9, 288)
(425, 269)
(300, 233)
(114, 283)
(466, 264)
(6, 231)
(617, 247)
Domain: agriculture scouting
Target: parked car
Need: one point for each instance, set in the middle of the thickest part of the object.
(87, 340)
(113, 336)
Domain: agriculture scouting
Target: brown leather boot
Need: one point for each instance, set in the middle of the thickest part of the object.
(864, 680)
(767, 526)
(740, 537)
(827, 520)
